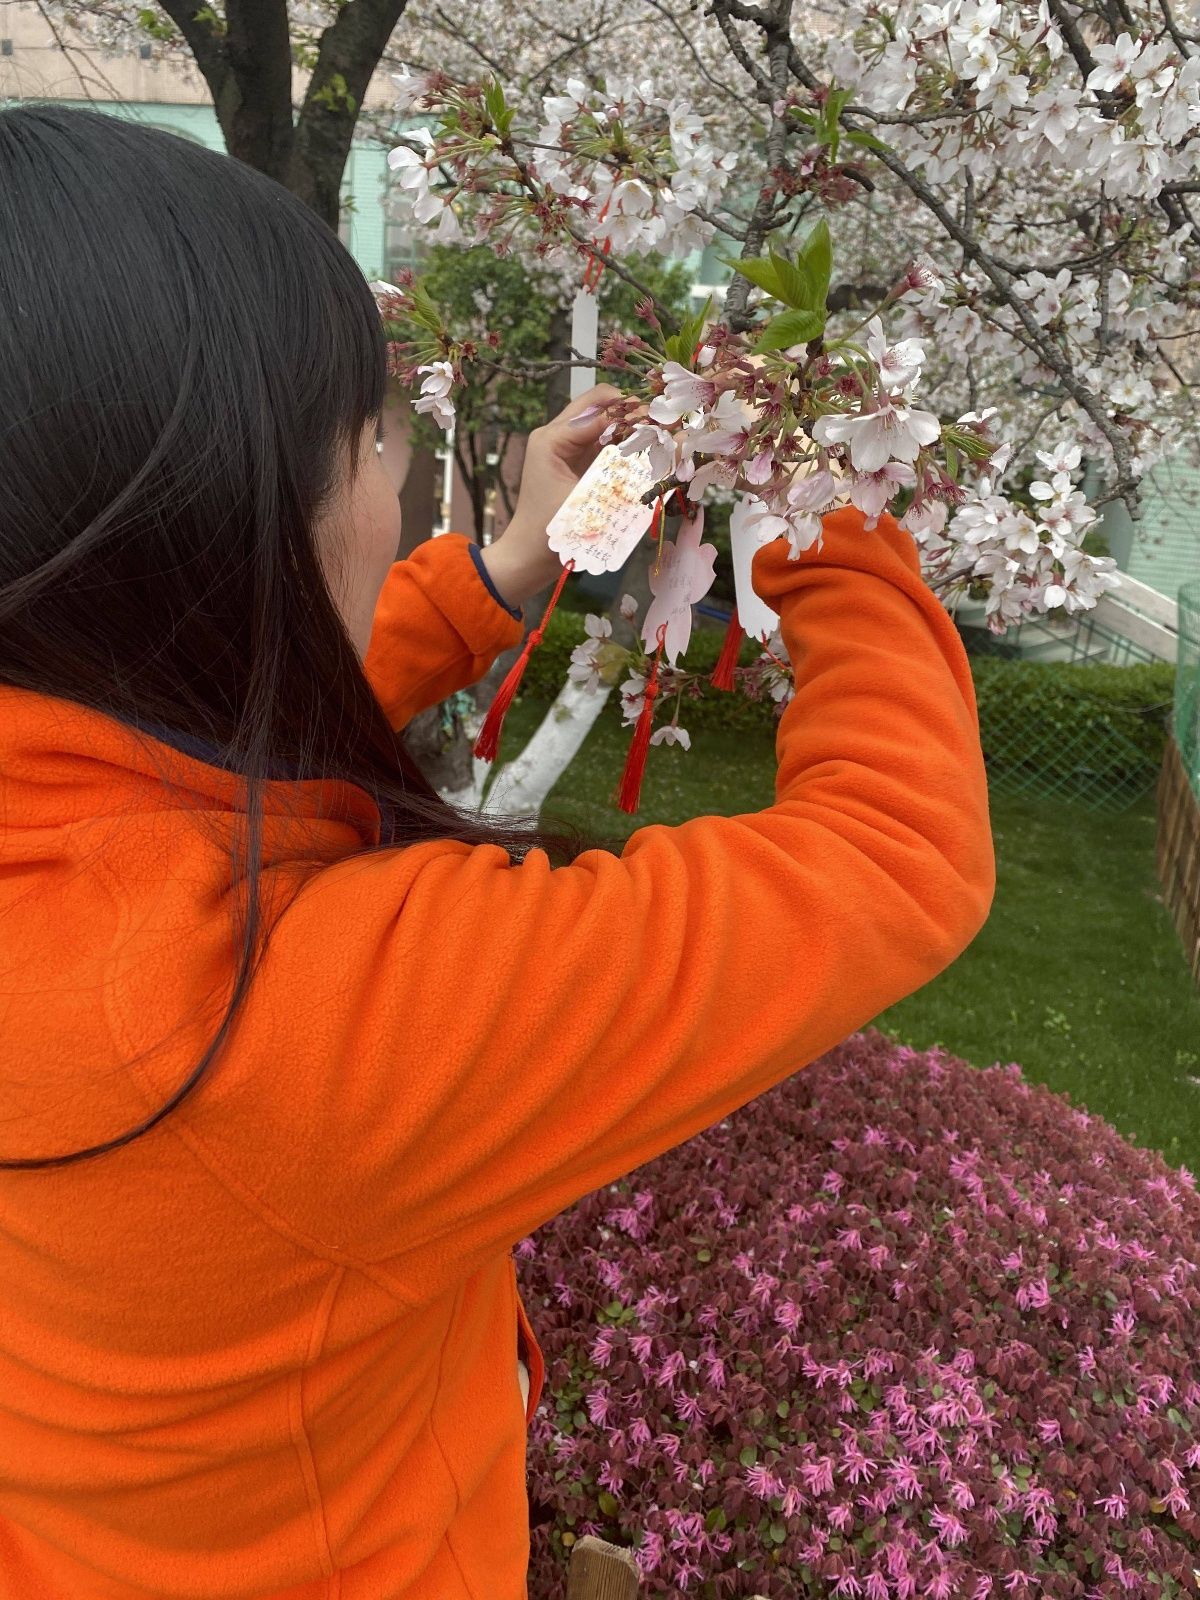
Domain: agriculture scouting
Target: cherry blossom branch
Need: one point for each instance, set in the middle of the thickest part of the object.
(597, 252)
(1047, 351)
(775, 25)
(1182, 40)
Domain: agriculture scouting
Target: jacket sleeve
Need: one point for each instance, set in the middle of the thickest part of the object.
(438, 627)
(474, 1045)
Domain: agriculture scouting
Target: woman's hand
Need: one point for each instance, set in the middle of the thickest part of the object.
(520, 562)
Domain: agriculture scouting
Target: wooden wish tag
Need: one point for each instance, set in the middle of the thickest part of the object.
(757, 618)
(600, 522)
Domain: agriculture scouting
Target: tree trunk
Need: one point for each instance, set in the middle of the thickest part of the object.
(247, 64)
(558, 348)
(444, 758)
(521, 786)
(349, 52)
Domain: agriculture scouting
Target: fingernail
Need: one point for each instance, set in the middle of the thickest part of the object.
(585, 415)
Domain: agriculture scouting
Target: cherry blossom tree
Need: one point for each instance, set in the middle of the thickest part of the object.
(986, 201)
(250, 54)
(1046, 152)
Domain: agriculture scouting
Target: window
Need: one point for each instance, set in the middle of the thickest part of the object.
(145, 51)
(5, 47)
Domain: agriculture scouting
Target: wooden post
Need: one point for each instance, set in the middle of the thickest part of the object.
(584, 335)
(600, 1571)
(1178, 852)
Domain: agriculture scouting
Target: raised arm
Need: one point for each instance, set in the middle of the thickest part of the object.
(438, 628)
(480, 1044)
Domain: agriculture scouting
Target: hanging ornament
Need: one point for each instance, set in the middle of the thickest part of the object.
(629, 790)
(721, 676)
(682, 576)
(600, 522)
(488, 742)
(584, 340)
(596, 529)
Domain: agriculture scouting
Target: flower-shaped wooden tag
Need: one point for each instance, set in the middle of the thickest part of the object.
(684, 576)
(755, 615)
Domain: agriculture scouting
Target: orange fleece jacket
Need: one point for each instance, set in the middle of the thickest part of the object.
(269, 1349)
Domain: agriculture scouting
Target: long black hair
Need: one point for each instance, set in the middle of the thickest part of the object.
(186, 353)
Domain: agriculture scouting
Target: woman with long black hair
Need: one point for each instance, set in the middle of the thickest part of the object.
(292, 1052)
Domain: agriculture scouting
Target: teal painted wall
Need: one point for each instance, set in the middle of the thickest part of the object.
(365, 179)
(365, 183)
(1166, 548)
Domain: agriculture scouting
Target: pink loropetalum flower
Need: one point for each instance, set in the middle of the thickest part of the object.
(963, 1177)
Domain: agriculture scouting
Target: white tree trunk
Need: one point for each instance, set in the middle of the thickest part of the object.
(469, 798)
(521, 786)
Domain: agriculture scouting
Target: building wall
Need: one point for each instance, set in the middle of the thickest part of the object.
(173, 95)
(365, 222)
(1165, 551)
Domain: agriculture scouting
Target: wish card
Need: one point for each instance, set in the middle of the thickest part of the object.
(600, 522)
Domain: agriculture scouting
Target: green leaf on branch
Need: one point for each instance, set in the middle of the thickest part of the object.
(794, 283)
(815, 258)
(759, 270)
(967, 443)
(214, 23)
(836, 99)
(864, 140)
(681, 346)
(499, 111)
(420, 310)
(151, 21)
(951, 460)
(335, 95)
(789, 328)
(608, 1503)
(797, 289)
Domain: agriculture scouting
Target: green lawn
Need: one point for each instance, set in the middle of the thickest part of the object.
(1078, 975)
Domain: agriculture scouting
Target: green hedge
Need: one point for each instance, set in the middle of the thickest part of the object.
(715, 709)
(1046, 705)
(1091, 731)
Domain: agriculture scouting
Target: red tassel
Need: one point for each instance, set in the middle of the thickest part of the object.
(488, 743)
(591, 275)
(630, 790)
(656, 524)
(722, 673)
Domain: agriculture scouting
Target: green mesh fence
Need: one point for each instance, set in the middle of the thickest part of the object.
(1105, 773)
(1187, 682)
(1088, 735)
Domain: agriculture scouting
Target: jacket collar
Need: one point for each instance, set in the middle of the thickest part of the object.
(63, 763)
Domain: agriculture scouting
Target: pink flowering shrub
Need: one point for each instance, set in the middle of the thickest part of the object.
(897, 1329)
